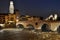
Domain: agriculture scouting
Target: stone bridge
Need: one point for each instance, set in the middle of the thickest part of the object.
(52, 25)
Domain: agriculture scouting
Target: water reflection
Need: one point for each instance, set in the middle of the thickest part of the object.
(17, 34)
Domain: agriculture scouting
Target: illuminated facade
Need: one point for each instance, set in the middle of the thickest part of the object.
(36, 22)
(2, 18)
(6, 18)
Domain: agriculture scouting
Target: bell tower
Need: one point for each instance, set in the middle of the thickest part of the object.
(11, 7)
(12, 16)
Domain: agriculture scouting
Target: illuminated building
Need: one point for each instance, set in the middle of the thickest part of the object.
(2, 18)
(36, 21)
(6, 18)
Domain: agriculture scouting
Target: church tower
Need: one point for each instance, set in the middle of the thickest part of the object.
(11, 7)
(12, 16)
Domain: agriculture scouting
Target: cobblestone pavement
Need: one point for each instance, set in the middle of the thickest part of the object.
(16, 34)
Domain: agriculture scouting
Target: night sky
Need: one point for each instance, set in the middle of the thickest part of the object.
(32, 7)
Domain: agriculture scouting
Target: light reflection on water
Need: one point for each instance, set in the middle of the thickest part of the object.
(17, 34)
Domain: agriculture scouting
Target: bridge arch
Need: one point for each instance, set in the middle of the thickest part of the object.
(1, 27)
(58, 29)
(20, 26)
(30, 26)
(45, 27)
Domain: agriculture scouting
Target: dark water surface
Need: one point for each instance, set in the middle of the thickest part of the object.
(28, 35)
(17, 35)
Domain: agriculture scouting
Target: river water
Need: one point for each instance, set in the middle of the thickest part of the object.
(17, 34)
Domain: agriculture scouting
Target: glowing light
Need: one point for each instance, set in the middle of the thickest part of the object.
(10, 21)
(17, 20)
(55, 17)
(51, 16)
(2, 25)
(17, 17)
(11, 7)
(11, 2)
